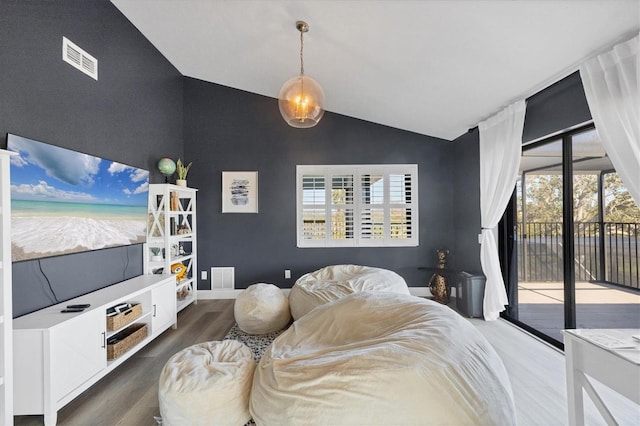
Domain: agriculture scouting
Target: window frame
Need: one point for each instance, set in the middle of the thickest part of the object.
(328, 173)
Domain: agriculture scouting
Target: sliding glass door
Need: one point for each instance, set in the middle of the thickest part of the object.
(575, 240)
(539, 239)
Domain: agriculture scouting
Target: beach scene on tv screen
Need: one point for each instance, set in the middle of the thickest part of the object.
(63, 201)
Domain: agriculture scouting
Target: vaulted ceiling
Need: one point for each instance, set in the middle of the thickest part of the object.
(431, 67)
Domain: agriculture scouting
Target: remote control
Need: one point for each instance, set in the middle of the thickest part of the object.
(81, 306)
(72, 310)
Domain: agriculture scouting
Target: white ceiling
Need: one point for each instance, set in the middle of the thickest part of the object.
(431, 67)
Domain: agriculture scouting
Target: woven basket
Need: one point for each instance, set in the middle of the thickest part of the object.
(123, 318)
(129, 337)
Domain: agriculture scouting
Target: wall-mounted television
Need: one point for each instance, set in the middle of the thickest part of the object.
(63, 201)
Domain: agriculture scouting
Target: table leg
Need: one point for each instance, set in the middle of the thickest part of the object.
(574, 386)
(50, 419)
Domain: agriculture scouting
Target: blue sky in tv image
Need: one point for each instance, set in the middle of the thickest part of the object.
(65, 201)
(45, 172)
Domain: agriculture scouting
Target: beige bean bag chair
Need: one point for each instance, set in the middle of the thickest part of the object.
(381, 359)
(334, 282)
(261, 309)
(207, 384)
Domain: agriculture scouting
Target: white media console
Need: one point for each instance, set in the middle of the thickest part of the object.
(59, 355)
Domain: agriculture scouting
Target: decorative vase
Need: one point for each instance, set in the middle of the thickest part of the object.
(181, 182)
(156, 258)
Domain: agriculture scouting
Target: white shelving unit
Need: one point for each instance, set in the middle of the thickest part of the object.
(6, 311)
(172, 237)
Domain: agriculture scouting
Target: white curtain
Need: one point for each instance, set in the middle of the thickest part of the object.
(500, 152)
(611, 83)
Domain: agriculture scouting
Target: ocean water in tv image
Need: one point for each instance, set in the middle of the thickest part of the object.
(69, 227)
(64, 201)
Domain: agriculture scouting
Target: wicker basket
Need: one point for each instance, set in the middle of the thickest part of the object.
(123, 318)
(126, 339)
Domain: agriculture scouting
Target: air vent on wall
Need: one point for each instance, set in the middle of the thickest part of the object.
(79, 59)
(223, 278)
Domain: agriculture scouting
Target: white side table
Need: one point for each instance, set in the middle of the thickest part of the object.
(610, 356)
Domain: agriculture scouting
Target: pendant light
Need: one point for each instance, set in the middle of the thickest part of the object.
(301, 99)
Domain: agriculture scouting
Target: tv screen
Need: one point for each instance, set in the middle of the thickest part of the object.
(64, 201)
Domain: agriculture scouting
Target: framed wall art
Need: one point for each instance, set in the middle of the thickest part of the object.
(239, 192)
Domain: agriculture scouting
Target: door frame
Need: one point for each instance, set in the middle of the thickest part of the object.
(508, 249)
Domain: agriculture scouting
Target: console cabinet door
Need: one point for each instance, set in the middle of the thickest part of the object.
(164, 306)
(78, 352)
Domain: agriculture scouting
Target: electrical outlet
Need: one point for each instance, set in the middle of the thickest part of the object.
(203, 275)
(287, 274)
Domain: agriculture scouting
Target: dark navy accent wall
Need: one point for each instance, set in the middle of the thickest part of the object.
(466, 212)
(558, 107)
(132, 114)
(229, 130)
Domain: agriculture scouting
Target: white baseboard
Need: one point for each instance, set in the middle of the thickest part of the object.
(218, 294)
(232, 294)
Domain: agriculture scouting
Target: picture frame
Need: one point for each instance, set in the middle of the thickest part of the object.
(240, 192)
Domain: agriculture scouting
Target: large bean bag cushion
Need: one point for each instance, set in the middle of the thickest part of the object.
(207, 383)
(334, 282)
(261, 309)
(381, 359)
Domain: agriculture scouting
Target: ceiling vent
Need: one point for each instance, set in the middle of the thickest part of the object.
(79, 59)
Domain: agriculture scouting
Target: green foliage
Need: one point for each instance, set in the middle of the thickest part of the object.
(619, 206)
(544, 199)
(181, 169)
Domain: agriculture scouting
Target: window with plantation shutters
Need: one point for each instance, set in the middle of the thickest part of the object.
(357, 205)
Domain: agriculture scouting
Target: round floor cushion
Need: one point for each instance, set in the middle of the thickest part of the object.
(333, 282)
(262, 308)
(207, 383)
(383, 359)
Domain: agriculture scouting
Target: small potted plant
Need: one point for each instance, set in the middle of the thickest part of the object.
(182, 171)
(156, 255)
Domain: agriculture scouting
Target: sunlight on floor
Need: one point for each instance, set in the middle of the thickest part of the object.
(586, 293)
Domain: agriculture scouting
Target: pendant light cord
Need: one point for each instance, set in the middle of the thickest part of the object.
(301, 50)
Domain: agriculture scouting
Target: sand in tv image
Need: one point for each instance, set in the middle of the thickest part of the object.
(64, 201)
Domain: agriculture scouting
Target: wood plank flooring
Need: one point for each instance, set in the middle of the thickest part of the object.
(129, 395)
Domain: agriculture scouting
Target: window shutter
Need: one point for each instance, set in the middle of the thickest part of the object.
(314, 226)
(359, 205)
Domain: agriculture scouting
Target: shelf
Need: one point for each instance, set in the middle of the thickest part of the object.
(180, 258)
(181, 304)
(112, 363)
(138, 319)
(170, 215)
(178, 237)
(184, 283)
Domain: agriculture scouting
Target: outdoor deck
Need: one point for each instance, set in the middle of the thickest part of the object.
(597, 306)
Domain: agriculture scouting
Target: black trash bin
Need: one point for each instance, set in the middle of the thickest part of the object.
(469, 294)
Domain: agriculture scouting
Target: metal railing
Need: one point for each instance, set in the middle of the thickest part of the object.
(610, 256)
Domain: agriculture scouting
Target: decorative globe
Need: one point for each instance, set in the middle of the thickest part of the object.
(167, 166)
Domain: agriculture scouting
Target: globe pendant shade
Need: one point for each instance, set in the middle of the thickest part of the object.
(301, 102)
